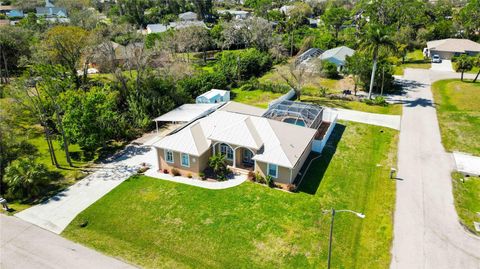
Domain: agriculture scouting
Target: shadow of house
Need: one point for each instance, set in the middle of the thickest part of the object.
(315, 173)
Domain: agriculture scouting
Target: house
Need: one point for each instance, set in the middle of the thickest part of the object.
(448, 48)
(236, 14)
(307, 55)
(275, 142)
(160, 28)
(52, 14)
(188, 16)
(213, 96)
(15, 13)
(337, 55)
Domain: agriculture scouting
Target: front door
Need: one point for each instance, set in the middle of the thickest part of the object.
(247, 158)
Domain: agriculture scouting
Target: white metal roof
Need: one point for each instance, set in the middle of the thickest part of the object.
(212, 93)
(280, 143)
(187, 112)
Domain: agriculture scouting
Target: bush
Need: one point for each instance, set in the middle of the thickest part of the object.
(25, 178)
(165, 171)
(291, 188)
(329, 70)
(259, 178)
(269, 181)
(251, 176)
(244, 64)
(219, 167)
(202, 176)
(189, 175)
(377, 101)
(175, 172)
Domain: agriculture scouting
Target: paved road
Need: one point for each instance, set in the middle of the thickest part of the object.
(58, 211)
(427, 233)
(24, 246)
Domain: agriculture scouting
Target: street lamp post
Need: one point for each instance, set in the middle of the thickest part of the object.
(333, 211)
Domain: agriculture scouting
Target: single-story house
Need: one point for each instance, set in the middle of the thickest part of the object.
(160, 28)
(213, 96)
(450, 47)
(275, 143)
(15, 13)
(236, 14)
(337, 55)
(188, 16)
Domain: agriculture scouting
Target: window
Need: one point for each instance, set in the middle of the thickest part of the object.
(272, 170)
(227, 151)
(169, 156)
(185, 160)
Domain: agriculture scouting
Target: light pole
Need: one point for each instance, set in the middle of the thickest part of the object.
(333, 211)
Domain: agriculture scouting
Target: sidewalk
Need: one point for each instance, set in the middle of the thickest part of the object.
(390, 121)
(467, 164)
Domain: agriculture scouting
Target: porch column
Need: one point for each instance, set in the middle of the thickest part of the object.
(214, 146)
(156, 124)
(234, 158)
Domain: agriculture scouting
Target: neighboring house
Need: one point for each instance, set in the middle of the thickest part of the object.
(448, 48)
(160, 28)
(236, 14)
(213, 96)
(337, 56)
(275, 142)
(52, 13)
(307, 55)
(188, 16)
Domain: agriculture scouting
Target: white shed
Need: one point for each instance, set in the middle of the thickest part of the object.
(213, 96)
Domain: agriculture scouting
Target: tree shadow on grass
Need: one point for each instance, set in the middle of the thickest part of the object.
(315, 173)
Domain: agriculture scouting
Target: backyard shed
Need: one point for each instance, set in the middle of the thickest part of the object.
(213, 96)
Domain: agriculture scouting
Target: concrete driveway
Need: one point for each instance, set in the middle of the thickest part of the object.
(444, 66)
(427, 233)
(390, 121)
(24, 245)
(58, 211)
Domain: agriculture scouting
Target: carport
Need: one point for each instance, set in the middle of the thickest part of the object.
(186, 113)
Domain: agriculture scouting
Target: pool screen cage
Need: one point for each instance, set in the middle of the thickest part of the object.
(310, 114)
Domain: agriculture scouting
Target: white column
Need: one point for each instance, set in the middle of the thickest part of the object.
(156, 124)
(234, 157)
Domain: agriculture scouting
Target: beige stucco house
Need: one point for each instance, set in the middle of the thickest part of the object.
(250, 141)
(447, 48)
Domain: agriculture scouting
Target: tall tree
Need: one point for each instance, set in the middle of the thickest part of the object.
(377, 38)
(463, 64)
(64, 45)
(297, 17)
(469, 19)
(14, 45)
(335, 18)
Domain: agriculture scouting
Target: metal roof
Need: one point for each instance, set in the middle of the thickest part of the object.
(310, 114)
(187, 112)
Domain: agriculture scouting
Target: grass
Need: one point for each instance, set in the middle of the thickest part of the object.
(467, 199)
(414, 59)
(155, 223)
(391, 109)
(458, 112)
(257, 98)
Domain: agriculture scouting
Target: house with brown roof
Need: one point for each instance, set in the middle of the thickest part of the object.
(450, 47)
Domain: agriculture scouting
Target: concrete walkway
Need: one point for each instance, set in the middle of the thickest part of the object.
(427, 233)
(467, 164)
(390, 121)
(23, 245)
(212, 185)
(444, 66)
(58, 211)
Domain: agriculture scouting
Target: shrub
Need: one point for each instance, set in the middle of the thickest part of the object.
(291, 187)
(202, 176)
(175, 172)
(269, 181)
(189, 175)
(251, 176)
(25, 178)
(377, 101)
(219, 167)
(165, 171)
(259, 178)
(329, 70)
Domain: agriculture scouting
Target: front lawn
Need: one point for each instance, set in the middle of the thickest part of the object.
(414, 59)
(467, 199)
(155, 223)
(392, 109)
(458, 110)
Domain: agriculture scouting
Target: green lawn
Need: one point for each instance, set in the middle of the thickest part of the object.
(355, 105)
(458, 110)
(414, 59)
(155, 223)
(467, 199)
(255, 98)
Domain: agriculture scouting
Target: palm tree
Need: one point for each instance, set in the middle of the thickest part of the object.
(464, 63)
(476, 62)
(25, 177)
(376, 38)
